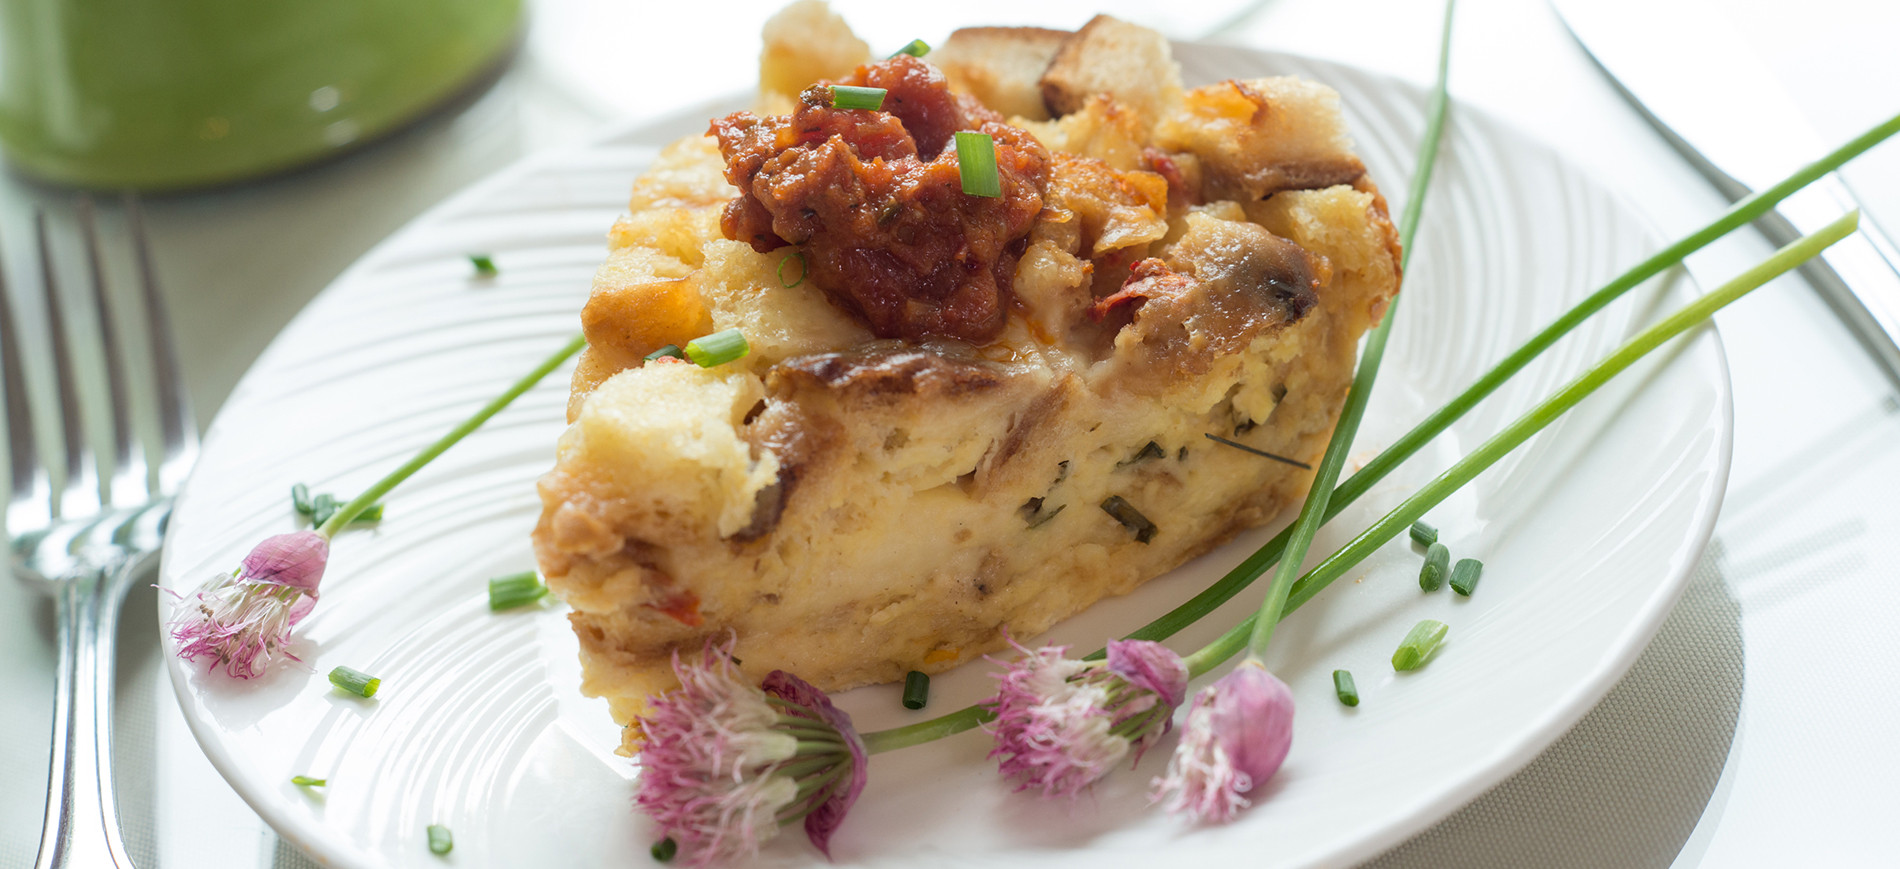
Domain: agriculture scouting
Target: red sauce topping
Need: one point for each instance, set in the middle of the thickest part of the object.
(876, 199)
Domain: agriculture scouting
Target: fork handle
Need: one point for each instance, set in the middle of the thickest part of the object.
(82, 820)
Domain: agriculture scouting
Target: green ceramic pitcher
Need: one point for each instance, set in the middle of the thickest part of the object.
(168, 94)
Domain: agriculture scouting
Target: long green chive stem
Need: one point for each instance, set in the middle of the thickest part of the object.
(1376, 470)
(1523, 428)
(1437, 565)
(976, 165)
(1344, 689)
(848, 97)
(1319, 495)
(348, 512)
(1402, 516)
(1419, 644)
(515, 589)
(717, 349)
(1464, 577)
(916, 690)
(441, 841)
(355, 681)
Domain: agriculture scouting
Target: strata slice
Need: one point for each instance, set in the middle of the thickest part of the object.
(961, 416)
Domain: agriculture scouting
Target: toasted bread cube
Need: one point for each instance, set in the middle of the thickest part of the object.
(1002, 66)
(1111, 56)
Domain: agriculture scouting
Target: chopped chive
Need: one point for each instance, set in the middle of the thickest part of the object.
(916, 690)
(1343, 686)
(355, 681)
(300, 500)
(976, 165)
(664, 850)
(1150, 450)
(718, 348)
(796, 255)
(515, 589)
(372, 513)
(441, 841)
(1418, 645)
(1464, 577)
(1125, 513)
(322, 508)
(848, 97)
(484, 265)
(305, 781)
(1437, 565)
(672, 350)
(916, 48)
(1262, 453)
(1423, 534)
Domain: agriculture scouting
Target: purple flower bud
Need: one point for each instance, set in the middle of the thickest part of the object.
(1236, 736)
(296, 560)
(243, 621)
(1061, 724)
(1150, 666)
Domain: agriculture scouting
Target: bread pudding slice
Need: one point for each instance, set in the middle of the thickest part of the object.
(961, 417)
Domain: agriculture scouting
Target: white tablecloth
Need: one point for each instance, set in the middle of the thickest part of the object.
(1754, 731)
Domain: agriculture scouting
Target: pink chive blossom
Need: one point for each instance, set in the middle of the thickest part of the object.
(243, 620)
(1236, 736)
(726, 764)
(1062, 723)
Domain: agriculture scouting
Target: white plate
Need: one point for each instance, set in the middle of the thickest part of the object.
(1587, 536)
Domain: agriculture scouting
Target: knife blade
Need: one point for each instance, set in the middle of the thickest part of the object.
(1693, 76)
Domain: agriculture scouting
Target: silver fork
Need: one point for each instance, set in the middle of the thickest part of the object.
(88, 541)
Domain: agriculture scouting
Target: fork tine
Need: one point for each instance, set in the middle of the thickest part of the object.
(127, 485)
(81, 493)
(30, 505)
(179, 428)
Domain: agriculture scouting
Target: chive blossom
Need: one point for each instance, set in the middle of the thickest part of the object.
(304, 781)
(849, 97)
(976, 165)
(484, 265)
(798, 255)
(1437, 565)
(441, 841)
(672, 350)
(300, 500)
(916, 690)
(1464, 577)
(718, 348)
(1343, 687)
(1423, 534)
(355, 681)
(916, 48)
(1131, 518)
(664, 850)
(1418, 645)
(515, 590)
